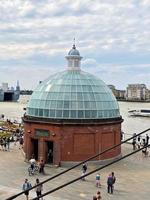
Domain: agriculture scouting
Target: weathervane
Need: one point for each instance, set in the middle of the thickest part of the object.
(74, 43)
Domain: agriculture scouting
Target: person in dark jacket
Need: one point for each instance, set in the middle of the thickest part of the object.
(84, 169)
(42, 165)
(147, 139)
(110, 184)
(8, 142)
(114, 178)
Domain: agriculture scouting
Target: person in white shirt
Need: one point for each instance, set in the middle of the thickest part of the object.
(15, 139)
(39, 188)
(33, 163)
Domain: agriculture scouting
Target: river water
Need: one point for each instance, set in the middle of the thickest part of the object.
(14, 110)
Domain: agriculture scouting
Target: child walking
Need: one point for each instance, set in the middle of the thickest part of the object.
(98, 184)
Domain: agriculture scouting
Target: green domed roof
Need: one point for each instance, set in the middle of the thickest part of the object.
(73, 94)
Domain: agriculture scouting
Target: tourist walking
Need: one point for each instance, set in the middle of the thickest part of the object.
(98, 184)
(139, 142)
(50, 156)
(122, 135)
(84, 169)
(38, 189)
(33, 163)
(8, 142)
(147, 139)
(15, 139)
(139, 138)
(110, 184)
(41, 165)
(21, 142)
(25, 188)
(134, 145)
(114, 178)
(134, 135)
(144, 151)
(134, 141)
(5, 143)
(2, 143)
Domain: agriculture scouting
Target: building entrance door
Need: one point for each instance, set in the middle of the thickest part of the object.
(35, 148)
(49, 152)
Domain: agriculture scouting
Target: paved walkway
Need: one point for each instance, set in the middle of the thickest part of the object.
(133, 178)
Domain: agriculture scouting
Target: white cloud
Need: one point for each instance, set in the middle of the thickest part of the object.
(29, 28)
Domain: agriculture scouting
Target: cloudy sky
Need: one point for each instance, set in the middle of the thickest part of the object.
(113, 36)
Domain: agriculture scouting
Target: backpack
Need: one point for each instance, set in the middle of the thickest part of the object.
(29, 185)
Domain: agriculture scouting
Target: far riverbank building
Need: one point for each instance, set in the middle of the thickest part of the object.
(71, 116)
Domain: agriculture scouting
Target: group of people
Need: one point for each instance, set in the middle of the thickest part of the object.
(139, 142)
(27, 185)
(110, 181)
(110, 185)
(5, 143)
(10, 134)
(18, 136)
(33, 164)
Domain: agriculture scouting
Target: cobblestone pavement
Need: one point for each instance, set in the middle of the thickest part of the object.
(133, 178)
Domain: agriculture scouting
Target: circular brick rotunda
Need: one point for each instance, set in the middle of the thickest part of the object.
(72, 116)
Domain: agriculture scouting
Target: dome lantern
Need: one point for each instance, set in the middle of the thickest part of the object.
(74, 58)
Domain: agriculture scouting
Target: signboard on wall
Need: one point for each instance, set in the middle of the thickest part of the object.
(42, 133)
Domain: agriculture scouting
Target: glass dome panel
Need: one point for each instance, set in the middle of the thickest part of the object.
(73, 95)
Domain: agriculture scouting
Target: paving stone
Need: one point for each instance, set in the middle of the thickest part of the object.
(133, 178)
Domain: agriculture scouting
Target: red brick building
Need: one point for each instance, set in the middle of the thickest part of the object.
(71, 116)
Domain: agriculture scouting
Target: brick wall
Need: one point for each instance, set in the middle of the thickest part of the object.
(73, 142)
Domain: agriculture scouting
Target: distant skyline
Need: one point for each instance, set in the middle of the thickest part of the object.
(113, 36)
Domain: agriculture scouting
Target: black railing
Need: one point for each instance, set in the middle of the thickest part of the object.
(65, 171)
